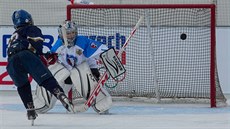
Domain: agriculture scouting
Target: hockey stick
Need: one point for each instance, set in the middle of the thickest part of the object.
(64, 35)
(105, 76)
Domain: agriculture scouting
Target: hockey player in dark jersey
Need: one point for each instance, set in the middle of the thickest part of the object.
(24, 51)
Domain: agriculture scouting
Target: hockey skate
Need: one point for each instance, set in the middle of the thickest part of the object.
(66, 103)
(31, 115)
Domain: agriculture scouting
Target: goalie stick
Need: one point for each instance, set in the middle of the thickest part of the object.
(105, 76)
(64, 35)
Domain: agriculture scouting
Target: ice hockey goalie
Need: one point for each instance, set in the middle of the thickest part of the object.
(75, 68)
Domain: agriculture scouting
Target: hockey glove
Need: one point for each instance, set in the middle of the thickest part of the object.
(51, 58)
(43, 59)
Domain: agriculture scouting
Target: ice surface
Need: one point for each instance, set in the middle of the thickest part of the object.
(123, 115)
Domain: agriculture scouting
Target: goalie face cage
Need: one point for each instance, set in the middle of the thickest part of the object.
(171, 55)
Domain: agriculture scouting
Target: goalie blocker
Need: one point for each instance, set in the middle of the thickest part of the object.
(84, 82)
(112, 63)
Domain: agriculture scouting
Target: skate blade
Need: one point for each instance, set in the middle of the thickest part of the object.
(32, 122)
(71, 109)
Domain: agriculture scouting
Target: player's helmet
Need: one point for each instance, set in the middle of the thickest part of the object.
(70, 31)
(21, 18)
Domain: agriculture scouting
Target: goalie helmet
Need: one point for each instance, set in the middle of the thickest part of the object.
(21, 18)
(70, 32)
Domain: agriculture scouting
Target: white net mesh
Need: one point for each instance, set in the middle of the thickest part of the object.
(173, 49)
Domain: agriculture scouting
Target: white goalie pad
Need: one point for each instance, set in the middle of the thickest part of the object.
(103, 101)
(59, 72)
(83, 79)
(112, 63)
(85, 82)
(43, 99)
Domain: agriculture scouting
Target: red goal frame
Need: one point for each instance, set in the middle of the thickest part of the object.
(212, 34)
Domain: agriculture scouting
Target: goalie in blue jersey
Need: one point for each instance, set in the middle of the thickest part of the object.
(75, 68)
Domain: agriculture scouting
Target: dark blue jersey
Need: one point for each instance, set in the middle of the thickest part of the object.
(27, 37)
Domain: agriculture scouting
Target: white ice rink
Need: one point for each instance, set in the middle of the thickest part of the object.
(129, 115)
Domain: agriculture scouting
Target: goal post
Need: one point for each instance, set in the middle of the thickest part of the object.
(172, 54)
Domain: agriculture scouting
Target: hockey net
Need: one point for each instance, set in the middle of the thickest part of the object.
(171, 55)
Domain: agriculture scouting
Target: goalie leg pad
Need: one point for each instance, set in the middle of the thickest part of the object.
(76, 80)
(103, 101)
(43, 100)
(66, 88)
(59, 72)
(83, 80)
